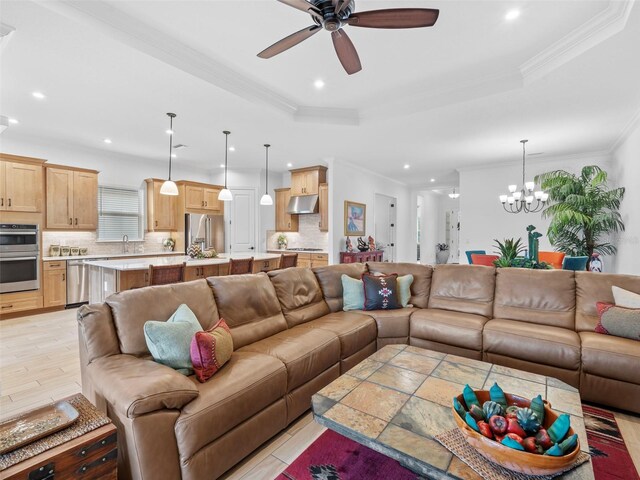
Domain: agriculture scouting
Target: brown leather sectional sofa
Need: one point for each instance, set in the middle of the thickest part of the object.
(291, 338)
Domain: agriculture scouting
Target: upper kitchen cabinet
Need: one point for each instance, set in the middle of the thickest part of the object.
(161, 209)
(72, 198)
(200, 197)
(306, 181)
(21, 187)
(285, 222)
(323, 207)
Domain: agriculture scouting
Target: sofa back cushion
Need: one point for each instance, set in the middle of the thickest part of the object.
(463, 288)
(132, 308)
(596, 287)
(299, 295)
(98, 333)
(421, 285)
(330, 280)
(545, 297)
(249, 305)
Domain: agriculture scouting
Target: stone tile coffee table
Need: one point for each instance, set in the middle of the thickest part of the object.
(399, 398)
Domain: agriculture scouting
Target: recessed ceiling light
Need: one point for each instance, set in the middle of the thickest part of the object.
(38, 95)
(169, 132)
(512, 14)
(432, 180)
(289, 164)
(232, 148)
(222, 165)
(107, 140)
(319, 84)
(173, 155)
(407, 166)
(14, 121)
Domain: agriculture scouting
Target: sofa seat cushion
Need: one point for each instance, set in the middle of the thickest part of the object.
(246, 384)
(449, 327)
(391, 323)
(611, 357)
(305, 352)
(354, 330)
(555, 346)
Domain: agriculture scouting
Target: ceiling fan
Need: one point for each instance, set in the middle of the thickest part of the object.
(333, 15)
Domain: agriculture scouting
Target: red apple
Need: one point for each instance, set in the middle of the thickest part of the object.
(498, 425)
(543, 439)
(516, 437)
(514, 427)
(530, 445)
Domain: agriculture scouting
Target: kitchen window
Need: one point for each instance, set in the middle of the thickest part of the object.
(120, 212)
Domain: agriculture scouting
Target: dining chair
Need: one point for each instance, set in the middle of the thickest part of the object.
(554, 259)
(166, 274)
(288, 260)
(575, 263)
(471, 252)
(486, 260)
(240, 266)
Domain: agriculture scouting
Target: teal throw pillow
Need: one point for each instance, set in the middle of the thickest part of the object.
(170, 342)
(404, 289)
(352, 293)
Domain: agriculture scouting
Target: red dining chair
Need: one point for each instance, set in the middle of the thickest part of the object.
(554, 259)
(487, 260)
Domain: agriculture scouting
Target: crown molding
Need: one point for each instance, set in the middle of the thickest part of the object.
(626, 131)
(543, 159)
(596, 30)
(328, 115)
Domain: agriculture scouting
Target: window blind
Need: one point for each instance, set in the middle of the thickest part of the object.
(120, 212)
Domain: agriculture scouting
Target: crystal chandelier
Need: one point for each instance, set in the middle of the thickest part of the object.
(527, 199)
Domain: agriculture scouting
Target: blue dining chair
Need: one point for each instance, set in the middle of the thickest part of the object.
(575, 263)
(472, 252)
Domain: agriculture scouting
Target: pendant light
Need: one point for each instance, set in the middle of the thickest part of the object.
(266, 198)
(225, 193)
(169, 187)
(454, 195)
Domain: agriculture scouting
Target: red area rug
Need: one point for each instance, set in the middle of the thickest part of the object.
(334, 457)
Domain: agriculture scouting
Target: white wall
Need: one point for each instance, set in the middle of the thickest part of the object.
(627, 172)
(434, 224)
(482, 218)
(349, 182)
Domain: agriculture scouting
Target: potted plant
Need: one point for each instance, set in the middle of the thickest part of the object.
(282, 241)
(583, 211)
(442, 253)
(168, 244)
(508, 251)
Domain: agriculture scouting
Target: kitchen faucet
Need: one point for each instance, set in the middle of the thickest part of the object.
(125, 243)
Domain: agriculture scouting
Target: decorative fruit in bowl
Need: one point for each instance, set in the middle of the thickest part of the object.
(522, 435)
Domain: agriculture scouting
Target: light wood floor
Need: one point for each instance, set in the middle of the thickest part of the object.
(39, 363)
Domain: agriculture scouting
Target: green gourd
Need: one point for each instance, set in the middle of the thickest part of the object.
(537, 405)
(569, 443)
(511, 443)
(491, 408)
(558, 430)
(528, 420)
(459, 408)
(477, 412)
(497, 395)
(471, 422)
(554, 451)
(469, 397)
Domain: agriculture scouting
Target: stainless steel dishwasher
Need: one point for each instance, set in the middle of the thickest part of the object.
(78, 281)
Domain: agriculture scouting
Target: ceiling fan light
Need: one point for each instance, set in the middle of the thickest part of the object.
(503, 199)
(513, 188)
(530, 186)
(266, 199)
(169, 187)
(225, 195)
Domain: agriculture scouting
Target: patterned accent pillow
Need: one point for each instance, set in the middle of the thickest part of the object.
(618, 321)
(380, 292)
(210, 350)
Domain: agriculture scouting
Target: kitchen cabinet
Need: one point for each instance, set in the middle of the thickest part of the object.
(285, 222)
(199, 198)
(55, 283)
(311, 260)
(196, 273)
(306, 181)
(72, 198)
(266, 265)
(161, 209)
(20, 302)
(21, 187)
(323, 207)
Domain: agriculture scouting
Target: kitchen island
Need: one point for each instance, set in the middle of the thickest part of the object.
(110, 276)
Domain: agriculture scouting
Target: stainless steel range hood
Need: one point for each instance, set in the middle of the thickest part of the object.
(303, 204)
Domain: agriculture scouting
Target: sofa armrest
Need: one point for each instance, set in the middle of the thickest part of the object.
(135, 386)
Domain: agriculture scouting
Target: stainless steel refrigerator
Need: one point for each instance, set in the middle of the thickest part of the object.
(205, 230)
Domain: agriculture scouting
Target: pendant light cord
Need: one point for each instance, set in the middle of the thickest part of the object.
(226, 152)
(266, 173)
(524, 142)
(170, 142)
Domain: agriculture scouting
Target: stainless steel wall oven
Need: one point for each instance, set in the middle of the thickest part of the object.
(19, 258)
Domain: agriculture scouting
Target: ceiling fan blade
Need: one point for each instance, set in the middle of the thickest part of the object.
(395, 18)
(290, 41)
(346, 51)
(304, 6)
(341, 5)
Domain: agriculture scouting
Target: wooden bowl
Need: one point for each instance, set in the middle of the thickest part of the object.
(516, 460)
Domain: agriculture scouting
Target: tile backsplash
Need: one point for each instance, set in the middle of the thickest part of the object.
(152, 242)
(307, 236)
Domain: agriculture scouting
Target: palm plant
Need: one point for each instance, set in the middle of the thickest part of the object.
(509, 249)
(583, 211)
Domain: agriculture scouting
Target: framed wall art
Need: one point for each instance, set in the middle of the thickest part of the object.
(355, 219)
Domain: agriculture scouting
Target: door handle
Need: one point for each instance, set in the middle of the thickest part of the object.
(206, 204)
(76, 220)
(1, 202)
(202, 203)
(70, 221)
(156, 223)
(64, 277)
(9, 202)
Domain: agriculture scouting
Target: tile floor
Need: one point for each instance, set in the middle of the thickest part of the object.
(39, 363)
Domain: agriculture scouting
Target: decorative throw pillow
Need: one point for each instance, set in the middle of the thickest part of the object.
(618, 321)
(352, 293)
(210, 350)
(380, 292)
(404, 289)
(625, 298)
(169, 342)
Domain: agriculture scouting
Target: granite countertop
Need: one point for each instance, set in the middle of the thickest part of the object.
(110, 255)
(128, 264)
(297, 250)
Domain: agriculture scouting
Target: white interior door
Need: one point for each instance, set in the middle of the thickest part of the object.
(242, 220)
(384, 212)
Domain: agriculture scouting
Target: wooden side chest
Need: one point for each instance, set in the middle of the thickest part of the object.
(92, 456)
